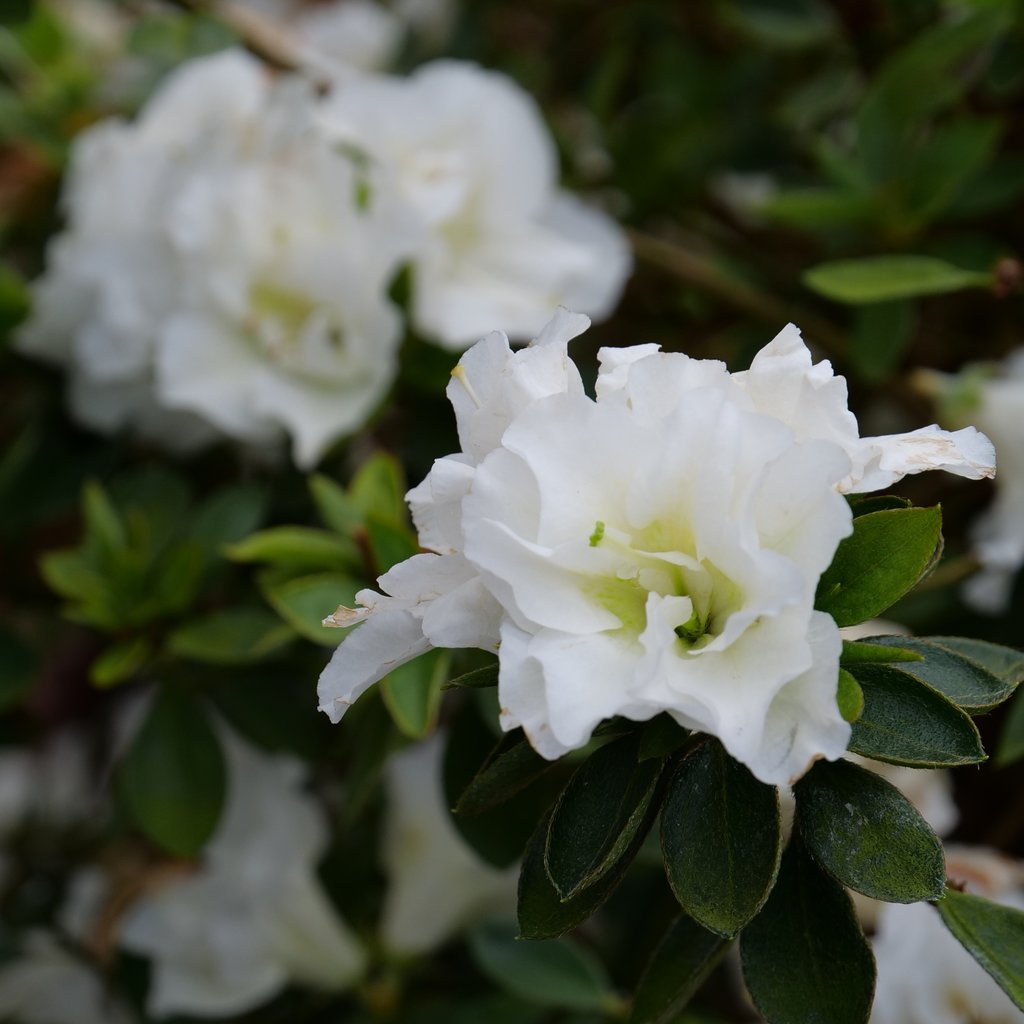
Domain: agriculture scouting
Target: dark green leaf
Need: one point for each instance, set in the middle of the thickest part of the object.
(555, 973)
(235, 636)
(297, 548)
(510, 767)
(865, 504)
(882, 331)
(882, 559)
(1004, 662)
(120, 662)
(966, 683)
(173, 777)
(598, 814)
(542, 913)
(886, 278)
(336, 507)
(992, 934)
(378, 490)
(412, 693)
(868, 835)
(805, 958)
(389, 543)
(661, 737)
(228, 516)
(17, 670)
(103, 524)
(681, 963)
(479, 678)
(906, 722)
(1011, 742)
(849, 697)
(721, 837)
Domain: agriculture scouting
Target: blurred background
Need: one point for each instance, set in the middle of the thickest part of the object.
(184, 836)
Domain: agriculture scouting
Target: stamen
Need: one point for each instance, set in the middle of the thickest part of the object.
(598, 535)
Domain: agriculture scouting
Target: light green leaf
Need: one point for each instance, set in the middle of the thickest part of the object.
(867, 835)
(721, 837)
(412, 693)
(120, 662)
(887, 278)
(173, 778)
(875, 650)
(305, 601)
(337, 509)
(849, 697)
(297, 548)
(555, 973)
(378, 490)
(992, 934)
(885, 556)
(235, 636)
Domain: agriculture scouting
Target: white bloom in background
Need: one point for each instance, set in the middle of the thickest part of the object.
(924, 975)
(437, 885)
(468, 151)
(253, 917)
(656, 549)
(218, 274)
(995, 400)
(46, 984)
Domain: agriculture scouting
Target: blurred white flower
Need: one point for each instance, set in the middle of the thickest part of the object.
(436, 884)
(253, 917)
(924, 975)
(469, 152)
(218, 274)
(994, 398)
(657, 549)
(46, 984)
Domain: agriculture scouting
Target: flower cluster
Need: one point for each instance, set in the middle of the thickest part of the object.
(228, 255)
(656, 548)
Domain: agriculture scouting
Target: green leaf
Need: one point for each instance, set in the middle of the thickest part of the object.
(849, 697)
(337, 509)
(662, 736)
(173, 778)
(542, 913)
(1005, 663)
(389, 544)
(805, 958)
(992, 933)
(1011, 742)
(681, 963)
(378, 490)
(18, 669)
(235, 636)
(867, 835)
(297, 548)
(881, 333)
(598, 814)
(906, 722)
(412, 693)
(818, 209)
(555, 973)
(304, 602)
(120, 662)
(510, 767)
(721, 837)
(478, 679)
(228, 516)
(884, 557)
(966, 683)
(887, 278)
(875, 650)
(103, 524)
(864, 504)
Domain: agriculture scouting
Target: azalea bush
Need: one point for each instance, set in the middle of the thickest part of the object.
(616, 410)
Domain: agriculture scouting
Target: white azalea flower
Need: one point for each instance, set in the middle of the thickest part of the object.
(924, 975)
(217, 275)
(253, 917)
(46, 984)
(469, 152)
(656, 549)
(436, 884)
(994, 398)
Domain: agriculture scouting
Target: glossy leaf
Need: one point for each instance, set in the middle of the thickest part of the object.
(721, 838)
(805, 958)
(966, 683)
(681, 963)
(555, 973)
(906, 722)
(992, 934)
(297, 548)
(868, 835)
(303, 602)
(882, 559)
(598, 814)
(173, 777)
